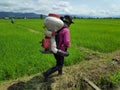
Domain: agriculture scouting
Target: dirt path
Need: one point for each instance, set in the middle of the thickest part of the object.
(96, 67)
(29, 29)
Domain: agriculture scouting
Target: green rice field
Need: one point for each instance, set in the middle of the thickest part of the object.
(19, 44)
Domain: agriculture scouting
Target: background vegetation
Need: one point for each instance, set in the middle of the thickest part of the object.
(19, 44)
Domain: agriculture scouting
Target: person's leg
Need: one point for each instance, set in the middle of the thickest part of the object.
(59, 63)
(58, 67)
(53, 69)
(50, 71)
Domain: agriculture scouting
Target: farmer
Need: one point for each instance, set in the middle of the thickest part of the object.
(63, 42)
(12, 20)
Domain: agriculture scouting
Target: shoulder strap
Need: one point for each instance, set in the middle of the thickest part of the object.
(60, 29)
(57, 36)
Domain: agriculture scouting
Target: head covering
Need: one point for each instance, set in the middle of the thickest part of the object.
(67, 19)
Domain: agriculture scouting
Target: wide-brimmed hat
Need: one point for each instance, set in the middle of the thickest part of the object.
(67, 19)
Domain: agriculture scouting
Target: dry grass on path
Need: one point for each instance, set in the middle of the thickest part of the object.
(93, 68)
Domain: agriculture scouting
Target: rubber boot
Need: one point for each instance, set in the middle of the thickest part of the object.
(48, 72)
(62, 53)
(60, 71)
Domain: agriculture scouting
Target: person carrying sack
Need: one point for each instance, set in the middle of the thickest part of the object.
(62, 39)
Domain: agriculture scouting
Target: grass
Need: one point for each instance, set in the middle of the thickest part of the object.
(116, 78)
(100, 35)
(19, 52)
(19, 48)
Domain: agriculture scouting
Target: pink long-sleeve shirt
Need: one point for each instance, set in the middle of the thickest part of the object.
(64, 39)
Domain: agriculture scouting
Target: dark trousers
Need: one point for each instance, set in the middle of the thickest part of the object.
(58, 67)
(59, 62)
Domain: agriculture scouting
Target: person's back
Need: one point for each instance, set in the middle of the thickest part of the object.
(63, 39)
